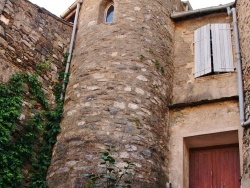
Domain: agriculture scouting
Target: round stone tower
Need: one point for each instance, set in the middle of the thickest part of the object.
(118, 92)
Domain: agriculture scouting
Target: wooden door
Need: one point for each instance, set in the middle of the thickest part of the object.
(217, 167)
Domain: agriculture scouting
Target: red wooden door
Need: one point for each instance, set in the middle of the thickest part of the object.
(214, 167)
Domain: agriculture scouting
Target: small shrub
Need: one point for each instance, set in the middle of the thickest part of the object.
(137, 122)
(158, 66)
(112, 177)
(26, 146)
(142, 58)
(44, 66)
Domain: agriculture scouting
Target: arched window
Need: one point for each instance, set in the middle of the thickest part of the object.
(109, 14)
(106, 11)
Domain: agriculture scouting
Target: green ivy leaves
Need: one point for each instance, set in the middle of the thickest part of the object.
(112, 177)
(25, 146)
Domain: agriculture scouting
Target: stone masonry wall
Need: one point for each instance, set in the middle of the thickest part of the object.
(177, 6)
(119, 89)
(28, 36)
(242, 7)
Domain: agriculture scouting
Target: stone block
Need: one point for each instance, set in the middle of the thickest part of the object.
(3, 42)
(2, 31)
(4, 20)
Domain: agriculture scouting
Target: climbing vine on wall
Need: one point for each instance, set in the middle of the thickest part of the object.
(28, 129)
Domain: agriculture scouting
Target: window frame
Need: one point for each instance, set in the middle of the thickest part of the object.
(106, 13)
(209, 41)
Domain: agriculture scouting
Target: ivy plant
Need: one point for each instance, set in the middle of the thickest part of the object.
(111, 176)
(44, 66)
(28, 129)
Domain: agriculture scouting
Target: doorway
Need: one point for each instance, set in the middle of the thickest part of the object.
(214, 167)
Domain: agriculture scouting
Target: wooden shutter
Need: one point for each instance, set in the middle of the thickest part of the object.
(222, 48)
(202, 49)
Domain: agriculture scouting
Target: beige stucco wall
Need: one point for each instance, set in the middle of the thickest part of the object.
(186, 88)
(215, 122)
(243, 13)
(194, 121)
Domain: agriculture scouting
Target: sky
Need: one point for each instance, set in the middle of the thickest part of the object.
(57, 7)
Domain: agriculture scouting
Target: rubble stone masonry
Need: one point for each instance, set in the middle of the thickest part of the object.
(29, 35)
(244, 28)
(120, 83)
(118, 92)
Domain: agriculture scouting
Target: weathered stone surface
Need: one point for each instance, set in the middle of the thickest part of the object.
(117, 95)
(115, 63)
(139, 90)
(113, 111)
(4, 20)
(142, 78)
(130, 147)
(146, 152)
(120, 105)
(120, 121)
(124, 155)
(22, 27)
(23, 42)
(2, 31)
(133, 106)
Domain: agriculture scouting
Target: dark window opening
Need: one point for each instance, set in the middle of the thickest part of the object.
(72, 18)
(110, 14)
(211, 48)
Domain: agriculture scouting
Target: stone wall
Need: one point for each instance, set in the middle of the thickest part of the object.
(242, 8)
(177, 6)
(30, 35)
(186, 88)
(119, 89)
(32, 40)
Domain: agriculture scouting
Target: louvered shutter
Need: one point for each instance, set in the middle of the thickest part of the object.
(222, 48)
(202, 49)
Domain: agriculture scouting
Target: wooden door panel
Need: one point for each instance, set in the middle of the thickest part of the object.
(201, 166)
(205, 173)
(214, 167)
(217, 172)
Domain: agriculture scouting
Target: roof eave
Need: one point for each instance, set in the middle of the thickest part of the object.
(188, 4)
(192, 13)
(69, 10)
